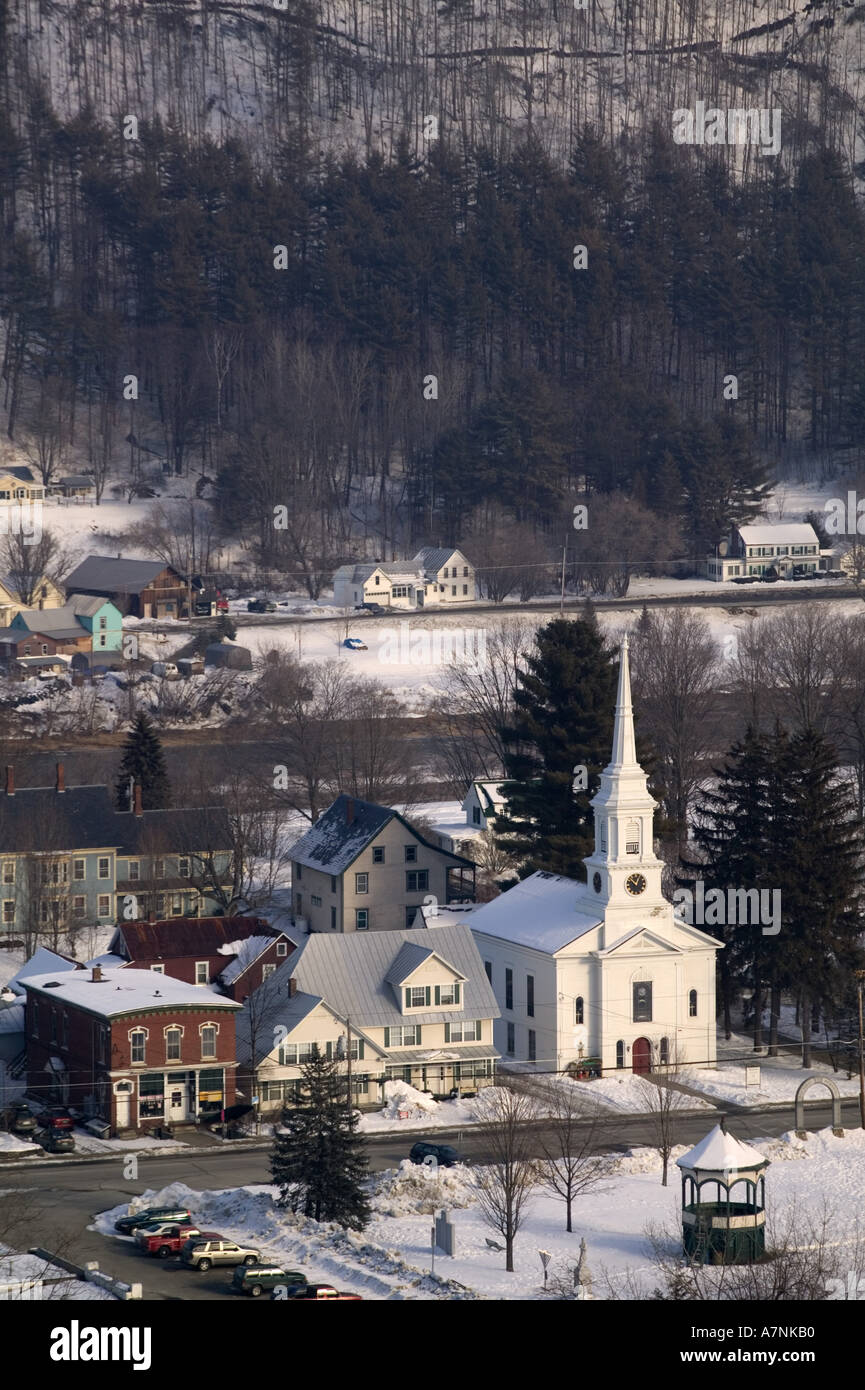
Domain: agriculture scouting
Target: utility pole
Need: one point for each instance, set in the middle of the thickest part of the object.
(860, 977)
(348, 1061)
(564, 561)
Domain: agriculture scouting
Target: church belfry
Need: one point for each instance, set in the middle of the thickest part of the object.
(624, 875)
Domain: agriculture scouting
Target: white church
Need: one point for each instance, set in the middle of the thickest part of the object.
(602, 975)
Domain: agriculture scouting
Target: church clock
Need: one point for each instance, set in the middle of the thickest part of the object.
(635, 883)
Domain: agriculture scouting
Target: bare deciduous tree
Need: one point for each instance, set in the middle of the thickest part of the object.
(504, 1184)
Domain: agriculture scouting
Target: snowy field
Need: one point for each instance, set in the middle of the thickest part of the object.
(391, 1259)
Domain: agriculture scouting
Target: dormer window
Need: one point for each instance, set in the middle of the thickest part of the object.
(417, 996)
(448, 994)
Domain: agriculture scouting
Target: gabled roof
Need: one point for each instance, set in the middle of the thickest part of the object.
(248, 952)
(19, 471)
(413, 955)
(394, 569)
(41, 819)
(785, 533)
(88, 605)
(52, 620)
(41, 960)
(490, 795)
(187, 936)
(540, 912)
(434, 557)
(335, 841)
(103, 573)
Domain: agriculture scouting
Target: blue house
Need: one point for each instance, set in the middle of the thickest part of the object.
(82, 613)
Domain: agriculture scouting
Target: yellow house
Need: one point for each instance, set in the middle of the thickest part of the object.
(19, 484)
(413, 1006)
(46, 594)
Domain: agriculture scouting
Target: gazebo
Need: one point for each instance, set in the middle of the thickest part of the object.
(719, 1224)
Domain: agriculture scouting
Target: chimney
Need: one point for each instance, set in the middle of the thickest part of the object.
(61, 778)
(349, 810)
(292, 987)
(10, 780)
(97, 974)
(136, 800)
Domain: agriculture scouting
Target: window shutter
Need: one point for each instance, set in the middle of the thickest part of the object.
(438, 998)
(456, 992)
(387, 1037)
(408, 998)
(329, 1051)
(426, 998)
(360, 1049)
(447, 1032)
(417, 1035)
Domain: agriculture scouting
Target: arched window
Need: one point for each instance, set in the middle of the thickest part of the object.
(137, 1044)
(665, 1051)
(620, 1054)
(692, 1004)
(578, 1010)
(632, 837)
(173, 1037)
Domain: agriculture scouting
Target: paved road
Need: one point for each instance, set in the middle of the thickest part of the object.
(62, 1199)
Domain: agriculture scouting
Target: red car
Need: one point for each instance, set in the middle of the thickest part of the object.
(165, 1239)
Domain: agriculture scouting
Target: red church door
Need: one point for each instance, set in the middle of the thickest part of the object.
(641, 1053)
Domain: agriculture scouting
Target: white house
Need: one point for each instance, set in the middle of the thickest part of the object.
(790, 548)
(602, 972)
(482, 803)
(433, 576)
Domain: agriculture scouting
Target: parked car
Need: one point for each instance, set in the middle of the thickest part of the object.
(254, 1279)
(372, 607)
(318, 1292)
(166, 1239)
(260, 605)
(354, 644)
(744, 579)
(58, 1117)
(200, 1253)
(444, 1154)
(129, 1224)
(22, 1120)
(166, 669)
(57, 1141)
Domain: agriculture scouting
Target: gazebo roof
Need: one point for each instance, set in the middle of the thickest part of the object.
(721, 1152)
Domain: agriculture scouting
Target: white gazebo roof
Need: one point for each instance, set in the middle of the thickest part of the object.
(721, 1152)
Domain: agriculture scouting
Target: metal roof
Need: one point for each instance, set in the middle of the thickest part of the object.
(103, 573)
(187, 936)
(334, 842)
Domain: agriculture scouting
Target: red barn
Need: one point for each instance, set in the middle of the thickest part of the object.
(139, 1050)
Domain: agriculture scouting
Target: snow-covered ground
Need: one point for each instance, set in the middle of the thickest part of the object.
(391, 1259)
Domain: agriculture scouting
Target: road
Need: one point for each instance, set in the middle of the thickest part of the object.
(61, 1200)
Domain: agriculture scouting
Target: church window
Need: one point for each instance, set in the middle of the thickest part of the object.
(603, 837)
(643, 1001)
(632, 838)
(692, 1004)
(578, 1010)
(620, 1054)
(665, 1051)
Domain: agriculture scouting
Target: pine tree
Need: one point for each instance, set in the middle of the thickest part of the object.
(563, 723)
(318, 1161)
(820, 877)
(143, 762)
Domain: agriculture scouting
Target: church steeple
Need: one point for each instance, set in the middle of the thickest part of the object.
(624, 748)
(624, 876)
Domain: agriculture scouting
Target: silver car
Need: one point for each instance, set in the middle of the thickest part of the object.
(201, 1254)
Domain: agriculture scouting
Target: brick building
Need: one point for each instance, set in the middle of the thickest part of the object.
(139, 1050)
(233, 953)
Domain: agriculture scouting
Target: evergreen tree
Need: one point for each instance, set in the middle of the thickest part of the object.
(820, 877)
(563, 722)
(143, 762)
(318, 1161)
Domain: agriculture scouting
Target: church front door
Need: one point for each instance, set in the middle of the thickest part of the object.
(641, 1053)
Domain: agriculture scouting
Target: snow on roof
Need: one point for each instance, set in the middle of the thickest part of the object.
(126, 991)
(12, 1018)
(787, 533)
(41, 960)
(720, 1152)
(540, 912)
(247, 951)
(334, 842)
